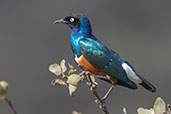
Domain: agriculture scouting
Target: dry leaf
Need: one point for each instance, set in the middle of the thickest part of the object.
(93, 80)
(145, 111)
(58, 82)
(159, 106)
(70, 66)
(75, 112)
(72, 71)
(63, 66)
(55, 68)
(124, 110)
(74, 79)
(72, 89)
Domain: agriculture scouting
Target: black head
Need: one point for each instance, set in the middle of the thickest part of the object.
(72, 20)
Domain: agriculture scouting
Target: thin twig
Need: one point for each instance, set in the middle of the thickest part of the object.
(63, 75)
(10, 104)
(82, 73)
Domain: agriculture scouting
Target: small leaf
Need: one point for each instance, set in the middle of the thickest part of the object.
(72, 71)
(63, 66)
(55, 68)
(145, 111)
(72, 89)
(159, 106)
(58, 82)
(75, 112)
(74, 79)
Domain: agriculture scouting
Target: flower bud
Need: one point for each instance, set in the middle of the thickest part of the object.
(3, 87)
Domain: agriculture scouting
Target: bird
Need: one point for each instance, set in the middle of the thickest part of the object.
(97, 58)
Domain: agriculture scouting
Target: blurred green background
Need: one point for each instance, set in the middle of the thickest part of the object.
(140, 31)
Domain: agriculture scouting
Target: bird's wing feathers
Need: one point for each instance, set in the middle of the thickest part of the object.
(94, 52)
(103, 58)
(112, 64)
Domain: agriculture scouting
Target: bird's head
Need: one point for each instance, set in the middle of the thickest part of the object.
(76, 21)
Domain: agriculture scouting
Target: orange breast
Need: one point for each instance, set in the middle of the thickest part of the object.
(89, 67)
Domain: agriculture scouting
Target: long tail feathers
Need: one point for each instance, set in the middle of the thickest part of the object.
(146, 84)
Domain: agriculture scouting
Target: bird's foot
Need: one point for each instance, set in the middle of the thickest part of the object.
(101, 104)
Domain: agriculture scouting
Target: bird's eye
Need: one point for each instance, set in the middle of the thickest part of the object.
(71, 19)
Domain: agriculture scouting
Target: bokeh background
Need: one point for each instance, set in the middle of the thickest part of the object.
(139, 31)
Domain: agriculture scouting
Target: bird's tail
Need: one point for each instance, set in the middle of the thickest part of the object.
(146, 84)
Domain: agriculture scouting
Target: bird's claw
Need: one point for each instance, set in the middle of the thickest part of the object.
(101, 104)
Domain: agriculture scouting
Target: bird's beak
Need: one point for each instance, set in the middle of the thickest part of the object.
(60, 21)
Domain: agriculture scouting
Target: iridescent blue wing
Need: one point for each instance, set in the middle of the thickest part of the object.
(103, 58)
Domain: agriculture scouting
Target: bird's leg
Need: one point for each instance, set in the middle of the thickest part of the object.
(107, 93)
(113, 81)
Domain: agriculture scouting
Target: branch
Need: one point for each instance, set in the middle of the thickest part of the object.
(3, 95)
(10, 104)
(99, 101)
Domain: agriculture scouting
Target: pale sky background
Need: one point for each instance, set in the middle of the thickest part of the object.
(29, 42)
